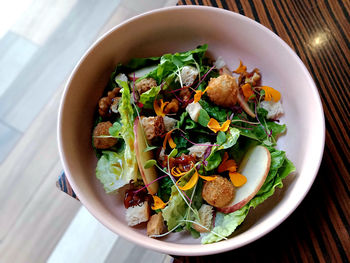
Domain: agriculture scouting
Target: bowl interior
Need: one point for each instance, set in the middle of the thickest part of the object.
(231, 36)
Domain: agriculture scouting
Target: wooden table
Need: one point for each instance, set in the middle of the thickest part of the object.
(319, 229)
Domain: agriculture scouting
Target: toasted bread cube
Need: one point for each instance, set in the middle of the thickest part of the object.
(155, 225)
(137, 214)
(206, 217)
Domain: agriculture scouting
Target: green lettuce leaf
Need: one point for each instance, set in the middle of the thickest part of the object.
(226, 224)
(110, 171)
(214, 111)
(115, 170)
(147, 98)
(175, 210)
(214, 158)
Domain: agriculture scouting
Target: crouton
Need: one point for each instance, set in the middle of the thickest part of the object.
(274, 109)
(198, 150)
(137, 214)
(169, 123)
(102, 129)
(205, 218)
(223, 90)
(218, 192)
(145, 85)
(188, 74)
(193, 110)
(155, 225)
(153, 126)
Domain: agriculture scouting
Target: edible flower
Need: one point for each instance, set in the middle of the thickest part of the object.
(230, 165)
(237, 179)
(271, 93)
(194, 179)
(158, 203)
(215, 126)
(199, 94)
(159, 109)
(175, 171)
(227, 165)
(170, 140)
(247, 91)
(241, 68)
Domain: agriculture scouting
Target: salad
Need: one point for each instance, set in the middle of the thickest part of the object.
(188, 143)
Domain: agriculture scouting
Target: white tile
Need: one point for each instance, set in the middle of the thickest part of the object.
(86, 240)
(15, 52)
(8, 139)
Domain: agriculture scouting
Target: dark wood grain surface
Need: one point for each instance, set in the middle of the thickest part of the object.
(319, 230)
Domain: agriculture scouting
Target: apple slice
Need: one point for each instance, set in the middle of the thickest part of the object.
(255, 166)
(245, 105)
(141, 72)
(149, 174)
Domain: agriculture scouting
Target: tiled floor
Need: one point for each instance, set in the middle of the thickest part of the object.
(40, 42)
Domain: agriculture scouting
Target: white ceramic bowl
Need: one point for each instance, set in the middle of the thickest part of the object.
(175, 29)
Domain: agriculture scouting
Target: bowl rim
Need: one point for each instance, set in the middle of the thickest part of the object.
(193, 249)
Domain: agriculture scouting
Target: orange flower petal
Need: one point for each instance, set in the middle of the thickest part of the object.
(207, 178)
(172, 144)
(159, 110)
(176, 172)
(168, 138)
(237, 179)
(197, 96)
(247, 91)
(228, 165)
(225, 125)
(214, 125)
(271, 93)
(191, 183)
(241, 68)
(157, 203)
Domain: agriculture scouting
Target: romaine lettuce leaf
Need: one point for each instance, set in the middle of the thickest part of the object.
(110, 171)
(115, 170)
(226, 224)
(175, 210)
(147, 98)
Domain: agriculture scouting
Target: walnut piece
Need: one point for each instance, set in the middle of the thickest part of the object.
(104, 103)
(172, 107)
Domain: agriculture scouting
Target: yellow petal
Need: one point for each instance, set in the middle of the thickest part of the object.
(172, 144)
(208, 178)
(168, 138)
(241, 68)
(159, 110)
(214, 125)
(271, 93)
(225, 126)
(237, 179)
(157, 203)
(176, 172)
(191, 183)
